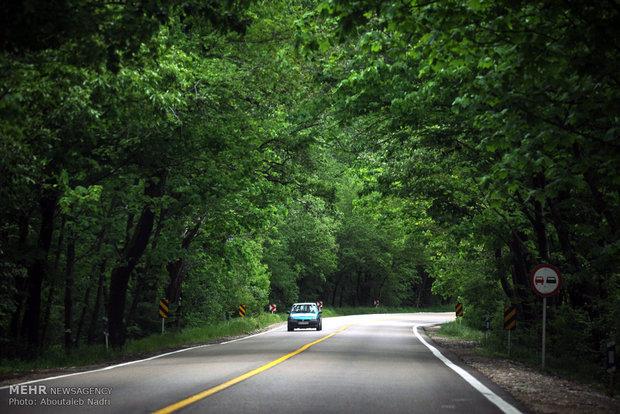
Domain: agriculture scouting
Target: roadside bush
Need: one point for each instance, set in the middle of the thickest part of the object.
(568, 333)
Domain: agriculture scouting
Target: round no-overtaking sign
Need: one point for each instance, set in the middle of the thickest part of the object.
(545, 280)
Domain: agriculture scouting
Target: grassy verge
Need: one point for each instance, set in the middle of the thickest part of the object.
(495, 346)
(345, 311)
(97, 354)
(459, 330)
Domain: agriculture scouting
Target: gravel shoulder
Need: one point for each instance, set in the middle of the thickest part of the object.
(539, 392)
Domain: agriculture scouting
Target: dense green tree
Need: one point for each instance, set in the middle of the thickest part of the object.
(218, 153)
(503, 118)
(302, 253)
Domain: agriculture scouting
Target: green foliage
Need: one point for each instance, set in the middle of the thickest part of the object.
(221, 284)
(457, 329)
(500, 122)
(301, 252)
(570, 331)
(219, 153)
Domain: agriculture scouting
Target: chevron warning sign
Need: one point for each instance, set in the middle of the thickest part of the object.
(164, 308)
(458, 309)
(242, 311)
(510, 317)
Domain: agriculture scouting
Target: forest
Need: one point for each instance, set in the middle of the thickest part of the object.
(218, 153)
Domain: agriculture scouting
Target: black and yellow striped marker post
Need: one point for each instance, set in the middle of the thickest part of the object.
(510, 317)
(242, 311)
(164, 309)
(458, 309)
(510, 321)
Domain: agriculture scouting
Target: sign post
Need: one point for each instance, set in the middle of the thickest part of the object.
(178, 313)
(487, 327)
(163, 312)
(545, 281)
(375, 303)
(319, 304)
(272, 308)
(510, 321)
(544, 330)
(242, 311)
(611, 357)
(105, 331)
(611, 364)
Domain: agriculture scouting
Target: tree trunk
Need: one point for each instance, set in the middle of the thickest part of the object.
(69, 282)
(520, 275)
(539, 221)
(358, 288)
(342, 287)
(501, 273)
(132, 253)
(138, 291)
(101, 239)
(80, 324)
(21, 282)
(177, 269)
(424, 276)
(563, 234)
(53, 281)
(37, 271)
(47, 314)
(128, 229)
(92, 327)
(142, 273)
(336, 285)
(600, 205)
(379, 291)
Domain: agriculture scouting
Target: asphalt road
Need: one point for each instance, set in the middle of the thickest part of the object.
(357, 364)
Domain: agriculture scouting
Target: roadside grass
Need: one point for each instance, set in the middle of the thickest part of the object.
(456, 329)
(56, 358)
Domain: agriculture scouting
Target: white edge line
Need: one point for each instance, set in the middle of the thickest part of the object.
(106, 368)
(490, 395)
(250, 336)
(132, 362)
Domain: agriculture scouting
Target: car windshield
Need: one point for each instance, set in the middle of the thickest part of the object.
(302, 308)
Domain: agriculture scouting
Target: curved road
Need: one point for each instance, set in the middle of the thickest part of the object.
(357, 364)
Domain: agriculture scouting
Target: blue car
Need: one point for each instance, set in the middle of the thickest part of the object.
(304, 315)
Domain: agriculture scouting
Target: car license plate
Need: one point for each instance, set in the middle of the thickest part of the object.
(303, 323)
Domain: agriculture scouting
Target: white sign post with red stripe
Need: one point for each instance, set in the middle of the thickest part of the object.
(319, 304)
(272, 308)
(545, 281)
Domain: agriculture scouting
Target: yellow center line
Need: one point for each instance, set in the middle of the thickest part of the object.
(206, 393)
